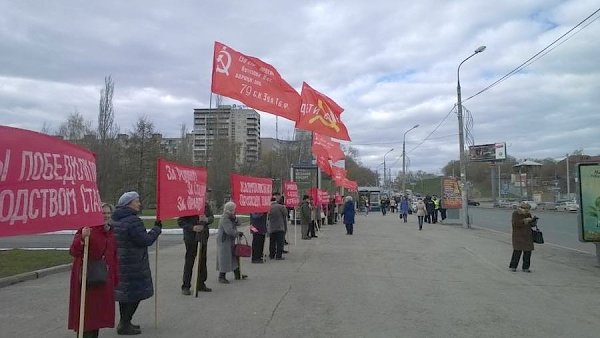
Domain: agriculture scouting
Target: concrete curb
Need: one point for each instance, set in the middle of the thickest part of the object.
(10, 280)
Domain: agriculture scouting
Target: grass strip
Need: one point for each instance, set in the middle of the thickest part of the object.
(16, 261)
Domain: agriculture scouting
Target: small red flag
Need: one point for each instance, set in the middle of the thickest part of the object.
(321, 114)
(324, 145)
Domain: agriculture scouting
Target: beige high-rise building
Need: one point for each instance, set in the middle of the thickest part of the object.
(240, 125)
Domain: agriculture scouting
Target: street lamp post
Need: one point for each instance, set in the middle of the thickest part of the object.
(461, 141)
(384, 171)
(404, 158)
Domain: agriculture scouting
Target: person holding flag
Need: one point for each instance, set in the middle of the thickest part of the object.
(100, 299)
(195, 232)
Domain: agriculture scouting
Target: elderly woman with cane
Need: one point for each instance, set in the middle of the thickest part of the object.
(99, 299)
(226, 260)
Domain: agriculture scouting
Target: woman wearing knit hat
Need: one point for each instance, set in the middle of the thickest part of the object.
(135, 278)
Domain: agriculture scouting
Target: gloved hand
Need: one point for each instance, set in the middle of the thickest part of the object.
(158, 224)
(240, 234)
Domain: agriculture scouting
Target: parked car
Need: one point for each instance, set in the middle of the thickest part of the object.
(503, 204)
(547, 206)
(567, 206)
(474, 203)
(532, 204)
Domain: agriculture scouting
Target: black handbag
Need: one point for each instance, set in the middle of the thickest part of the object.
(97, 271)
(537, 236)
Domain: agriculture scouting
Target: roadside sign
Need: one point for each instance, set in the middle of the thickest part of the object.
(589, 201)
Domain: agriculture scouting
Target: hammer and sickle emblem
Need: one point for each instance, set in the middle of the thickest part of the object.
(223, 67)
(328, 120)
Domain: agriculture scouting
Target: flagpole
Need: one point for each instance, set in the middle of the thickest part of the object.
(81, 328)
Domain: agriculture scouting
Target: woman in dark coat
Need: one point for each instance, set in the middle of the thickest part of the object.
(348, 215)
(258, 229)
(522, 240)
(135, 278)
(404, 208)
(100, 299)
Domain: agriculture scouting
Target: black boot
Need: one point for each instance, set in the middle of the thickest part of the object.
(125, 328)
(238, 275)
(222, 278)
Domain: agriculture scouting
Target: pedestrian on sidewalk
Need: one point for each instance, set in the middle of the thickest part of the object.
(430, 209)
(436, 208)
(258, 229)
(348, 215)
(226, 260)
(404, 208)
(135, 277)
(99, 299)
(522, 240)
(195, 231)
(305, 218)
(276, 227)
(421, 212)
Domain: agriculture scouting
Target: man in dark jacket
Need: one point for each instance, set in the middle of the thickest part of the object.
(305, 217)
(195, 231)
(135, 278)
(258, 229)
(277, 226)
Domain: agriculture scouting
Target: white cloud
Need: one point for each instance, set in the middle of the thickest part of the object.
(390, 64)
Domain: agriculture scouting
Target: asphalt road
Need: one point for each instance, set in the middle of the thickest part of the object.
(559, 228)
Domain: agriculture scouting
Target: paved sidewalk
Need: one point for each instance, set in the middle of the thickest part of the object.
(387, 280)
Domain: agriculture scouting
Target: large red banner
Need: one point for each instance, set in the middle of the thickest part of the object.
(290, 192)
(338, 198)
(321, 114)
(253, 82)
(323, 145)
(47, 184)
(180, 190)
(251, 194)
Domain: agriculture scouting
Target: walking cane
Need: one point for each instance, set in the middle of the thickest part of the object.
(197, 263)
(156, 286)
(83, 287)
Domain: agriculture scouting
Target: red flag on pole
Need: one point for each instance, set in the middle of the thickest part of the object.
(253, 82)
(324, 165)
(338, 174)
(323, 145)
(321, 114)
(290, 192)
(180, 190)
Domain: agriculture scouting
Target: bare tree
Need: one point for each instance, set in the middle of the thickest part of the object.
(106, 147)
(75, 128)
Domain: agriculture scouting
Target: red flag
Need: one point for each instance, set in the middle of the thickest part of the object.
(338, 174)
(338, 198)
(323, 164)
(180, 190)
(321, 114)
(253, 82)
(251, 194)
(290, 192)
(323, 145)
(46, 184)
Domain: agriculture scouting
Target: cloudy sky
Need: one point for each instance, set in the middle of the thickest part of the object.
(390, 64)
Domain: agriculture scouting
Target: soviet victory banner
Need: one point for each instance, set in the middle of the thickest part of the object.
(321, 114)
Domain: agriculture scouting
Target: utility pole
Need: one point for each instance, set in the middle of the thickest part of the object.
(568, 178)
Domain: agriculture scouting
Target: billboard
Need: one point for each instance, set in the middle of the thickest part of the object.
(451, 194)
(589, 202)
(487, 152)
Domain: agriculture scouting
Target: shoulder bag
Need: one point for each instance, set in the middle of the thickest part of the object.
(537, 236)
(97, 270)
